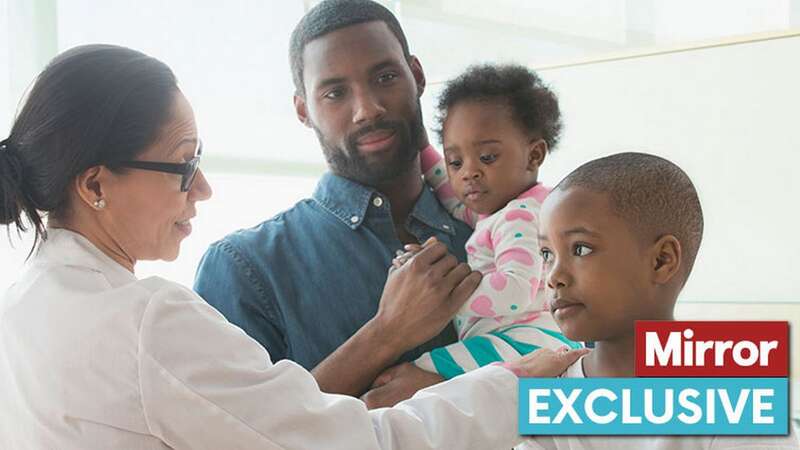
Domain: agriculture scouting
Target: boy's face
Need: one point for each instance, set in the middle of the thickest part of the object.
(598, 272)
(490, 160)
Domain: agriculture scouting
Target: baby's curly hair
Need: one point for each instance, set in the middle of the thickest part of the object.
(533, 105)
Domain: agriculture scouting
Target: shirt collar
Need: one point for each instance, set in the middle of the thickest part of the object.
(429, 211)
(345, 199)
(348, 201)
(65, 247)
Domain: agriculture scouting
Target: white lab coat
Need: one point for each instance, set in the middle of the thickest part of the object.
(92, 358)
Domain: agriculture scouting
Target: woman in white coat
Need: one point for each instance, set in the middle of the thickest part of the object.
(92, 357)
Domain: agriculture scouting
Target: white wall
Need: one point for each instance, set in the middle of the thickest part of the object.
(5, 72)
(729, 117)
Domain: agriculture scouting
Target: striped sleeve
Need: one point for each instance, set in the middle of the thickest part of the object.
(505, 344)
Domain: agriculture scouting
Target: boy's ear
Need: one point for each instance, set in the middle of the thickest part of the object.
(667, 259)
(301, 110)
(419, 74)
(537, 151)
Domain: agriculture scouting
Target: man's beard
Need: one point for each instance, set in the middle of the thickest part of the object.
(349, 163)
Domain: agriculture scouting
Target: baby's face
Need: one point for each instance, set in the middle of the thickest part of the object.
(598, 273)
(490, 160)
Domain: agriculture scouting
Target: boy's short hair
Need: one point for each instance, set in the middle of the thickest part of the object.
(654, 196)
(532, 104)
(332, 15)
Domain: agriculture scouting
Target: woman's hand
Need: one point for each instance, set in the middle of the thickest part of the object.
(544, 363)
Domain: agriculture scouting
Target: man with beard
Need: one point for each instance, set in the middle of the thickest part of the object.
(308, 284)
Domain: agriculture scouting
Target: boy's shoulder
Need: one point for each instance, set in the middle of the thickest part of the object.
(575, 370)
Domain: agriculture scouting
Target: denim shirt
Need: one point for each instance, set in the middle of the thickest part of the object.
(306, 280)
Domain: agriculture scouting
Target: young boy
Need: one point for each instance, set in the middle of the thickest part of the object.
(619, 236)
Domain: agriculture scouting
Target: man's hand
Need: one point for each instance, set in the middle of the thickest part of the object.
(422, 295)
(398, 383)
(418, 301)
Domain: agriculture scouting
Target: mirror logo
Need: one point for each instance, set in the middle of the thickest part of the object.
(692, 378)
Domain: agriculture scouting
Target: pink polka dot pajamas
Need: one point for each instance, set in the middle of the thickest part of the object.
(507, 315)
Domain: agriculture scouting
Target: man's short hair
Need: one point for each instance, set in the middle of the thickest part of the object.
(652, 195)
(533, 106)
(332, 15)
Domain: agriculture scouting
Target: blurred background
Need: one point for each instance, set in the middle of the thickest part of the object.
(709, 84)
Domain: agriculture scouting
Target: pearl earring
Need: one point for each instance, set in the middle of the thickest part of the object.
(100, 203)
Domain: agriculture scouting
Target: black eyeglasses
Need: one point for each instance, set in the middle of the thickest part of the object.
(187, 170)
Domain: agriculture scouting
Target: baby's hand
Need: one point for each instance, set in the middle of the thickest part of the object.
(408, 252)
(403, 257)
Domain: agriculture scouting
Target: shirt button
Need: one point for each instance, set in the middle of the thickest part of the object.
(446, 227)
(354, 219)
(377, 201)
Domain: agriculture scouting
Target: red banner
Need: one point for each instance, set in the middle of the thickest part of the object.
(712, 349)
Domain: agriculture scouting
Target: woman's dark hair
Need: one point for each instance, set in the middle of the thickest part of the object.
(92, 105)
(533, 106)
